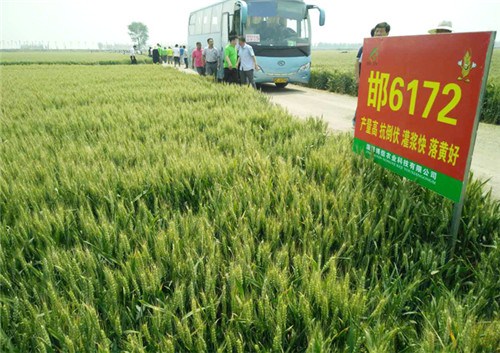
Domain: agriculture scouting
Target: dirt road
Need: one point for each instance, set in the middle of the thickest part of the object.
(337, 110)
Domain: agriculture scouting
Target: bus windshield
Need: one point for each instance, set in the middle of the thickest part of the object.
(277, 23)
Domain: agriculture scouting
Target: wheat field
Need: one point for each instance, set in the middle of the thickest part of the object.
(144, 210)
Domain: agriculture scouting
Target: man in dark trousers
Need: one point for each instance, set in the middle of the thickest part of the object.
(231, 61)
(247, 63)
(156, 54)
(133, 60)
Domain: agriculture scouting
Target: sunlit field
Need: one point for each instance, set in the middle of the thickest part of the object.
(321, 59)
(68, 57)
(344, 61)
(187, 216)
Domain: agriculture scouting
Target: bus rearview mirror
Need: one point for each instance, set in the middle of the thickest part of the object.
(321, 13)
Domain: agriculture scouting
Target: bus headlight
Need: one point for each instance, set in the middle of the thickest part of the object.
(305, 67)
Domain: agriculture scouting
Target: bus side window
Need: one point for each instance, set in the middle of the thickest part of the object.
(192, 24)
(207, 20)
(198, 26)
(216, 19)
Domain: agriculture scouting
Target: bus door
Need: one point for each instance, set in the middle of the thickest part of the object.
(234, 22)
(240, 17)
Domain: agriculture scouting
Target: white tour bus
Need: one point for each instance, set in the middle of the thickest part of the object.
(278, 30)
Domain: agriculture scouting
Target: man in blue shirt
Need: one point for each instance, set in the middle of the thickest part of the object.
(247, 63)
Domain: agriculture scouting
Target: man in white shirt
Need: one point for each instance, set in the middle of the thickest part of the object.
(177, 55)
(211, 57)
(185, 56)
(133, 60)
(247, 63)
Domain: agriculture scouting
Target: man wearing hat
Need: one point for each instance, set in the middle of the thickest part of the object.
(443, 27)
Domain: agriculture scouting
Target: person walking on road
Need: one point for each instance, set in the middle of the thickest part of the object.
(197, 60)
(247, 63)
(185, 56)
(178, 54)
(211, 58)
(163, 54)
(230, 61)
(133, 60)
(170, 56)
(156, 54)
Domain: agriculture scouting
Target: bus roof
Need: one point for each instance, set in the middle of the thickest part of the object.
(233, 1)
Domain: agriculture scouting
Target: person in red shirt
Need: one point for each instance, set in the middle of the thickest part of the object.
(198, 61)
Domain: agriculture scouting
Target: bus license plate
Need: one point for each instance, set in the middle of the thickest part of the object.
(280, 80)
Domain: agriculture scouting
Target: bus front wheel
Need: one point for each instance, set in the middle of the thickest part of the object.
(281, 85)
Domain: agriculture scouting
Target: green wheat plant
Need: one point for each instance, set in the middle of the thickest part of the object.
(143, 210)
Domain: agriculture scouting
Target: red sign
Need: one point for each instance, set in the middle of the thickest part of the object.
(418, 100)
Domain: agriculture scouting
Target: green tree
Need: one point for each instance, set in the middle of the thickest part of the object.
(138, 31)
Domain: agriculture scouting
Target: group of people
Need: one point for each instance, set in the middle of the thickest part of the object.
(238, 59)
(176, 56)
